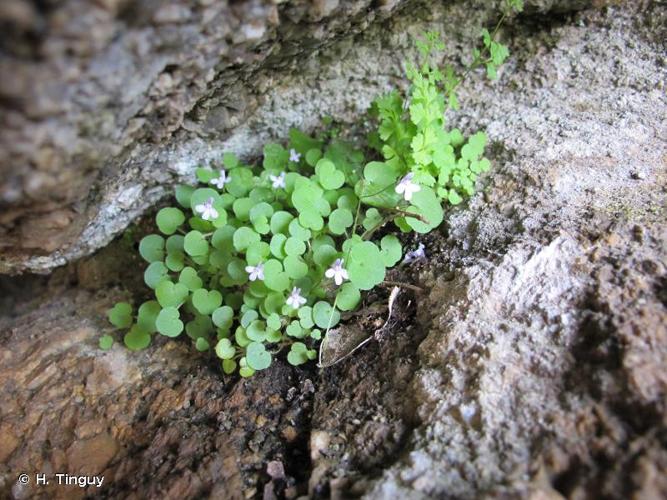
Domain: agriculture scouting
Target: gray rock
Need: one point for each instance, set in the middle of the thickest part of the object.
(106, 96)
(536, 350)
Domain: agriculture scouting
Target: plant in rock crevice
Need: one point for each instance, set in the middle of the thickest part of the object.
(254, 261)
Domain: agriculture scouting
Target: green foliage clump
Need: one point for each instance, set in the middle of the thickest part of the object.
(257, 259)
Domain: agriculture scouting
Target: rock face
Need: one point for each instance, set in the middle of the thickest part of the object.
(531, 365)
(107, 104)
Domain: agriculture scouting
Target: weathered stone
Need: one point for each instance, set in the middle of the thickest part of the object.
(138, 93)
(156, 423)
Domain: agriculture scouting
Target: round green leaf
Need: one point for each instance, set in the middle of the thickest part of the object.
(175, 243)
(280, 222)
(348, 297)
(305, 195)
(295, 267)
(169, 220)
(325, 255)
(294, 329)
(244, 237)
(294, 246)
(381, 173)
(120, 315)
(313, 156)
(224, 349)
(242, 208)
(273, 336)
(223, 317)
(230, 160)
(324, 315)
(155, 273)
(136, 339)
(348, 201)
(106, 341)
(277, 245)
(147, 315)
(151, 248)
(256, 331)
(248, 317)
(427, 204)
(204, 174)
(298, 354)
(245, 371)
(316, 334)
(240, 337)
(169, 294)
(257, 357)
(273, 322)
(298, 231)
(274, 302)
(195, 244)
(261, 209)
(257, 252)
(241, 182)
(365, 266)
(183, 195)
(328, 175)
(200, 326)
(323, 239)
(311, 220)
(222, 238)
(168, 322)
(306, 317)
(274, 277)
(190, 279)
(228, 366)
(236, 270)
(372, 219)
(202, 344)
(453, 197)
(339, 220)
(206, 301)
(392, 251)
(175, 261)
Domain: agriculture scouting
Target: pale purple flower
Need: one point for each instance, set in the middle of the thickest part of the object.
(278, 180)
(294, 156)
(407, 188)
(221, 180)
(415, 255)
(255, 272)
(337, 272)
(206, 209)
(295, 299)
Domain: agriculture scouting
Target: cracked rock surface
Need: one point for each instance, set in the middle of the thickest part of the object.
(532, 364)
(106, 105)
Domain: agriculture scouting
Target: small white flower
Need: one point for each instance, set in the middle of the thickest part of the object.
(207, 211)
(415, 255)
(294, 156)
(221, 180)
(407, 188)
(278, 180)
(337, 272)
(295, 299)
(255, 272)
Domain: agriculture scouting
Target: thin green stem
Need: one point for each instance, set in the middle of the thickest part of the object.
(372, 230)
(403, 213)
(478, 60)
